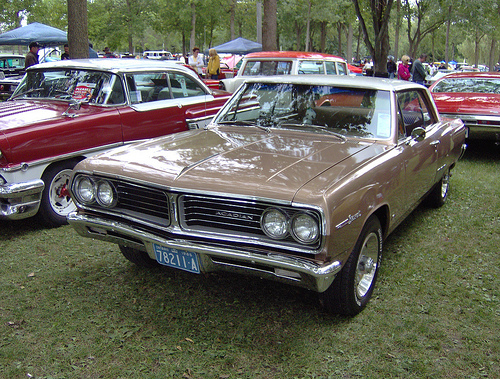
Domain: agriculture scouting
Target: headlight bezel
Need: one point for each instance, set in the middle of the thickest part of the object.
(111, 190)
(291, 223)
(314, 227)
(77, 190)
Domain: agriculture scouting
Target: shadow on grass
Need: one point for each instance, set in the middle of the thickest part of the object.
(482, 151)
(10, 229)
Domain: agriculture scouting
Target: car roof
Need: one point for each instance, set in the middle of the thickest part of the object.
(338, 80)
(111, 64)
(3, 55)
(474, 74)
(292, 55)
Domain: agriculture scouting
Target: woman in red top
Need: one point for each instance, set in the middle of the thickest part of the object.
(404, 68)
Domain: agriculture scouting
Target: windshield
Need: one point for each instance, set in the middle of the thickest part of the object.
(475, 85)
(349, 112)
(96, 87)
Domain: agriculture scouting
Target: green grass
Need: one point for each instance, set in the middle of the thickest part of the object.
(75, 308)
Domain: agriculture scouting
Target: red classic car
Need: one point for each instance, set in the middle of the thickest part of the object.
(65, 111)
(474, 97)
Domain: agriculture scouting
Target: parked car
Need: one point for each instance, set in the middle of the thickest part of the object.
(224, 72)
(11, 72)
(65, 111)
(11, 64)
(474, 97)
(268, 63)
(431, 79)
(298, 179)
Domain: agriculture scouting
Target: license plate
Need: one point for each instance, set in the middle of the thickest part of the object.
(181, 259)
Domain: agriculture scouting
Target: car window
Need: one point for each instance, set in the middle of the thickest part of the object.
(341, 68)
(267, 68)
(156, 86)
(350, 112)
(477, 85)
(310, 67)
(413, 112)
(96, 87)
(184, 86)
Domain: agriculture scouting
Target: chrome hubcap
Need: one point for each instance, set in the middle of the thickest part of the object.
(367, 265)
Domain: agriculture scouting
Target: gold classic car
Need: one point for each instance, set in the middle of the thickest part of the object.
(298, 179)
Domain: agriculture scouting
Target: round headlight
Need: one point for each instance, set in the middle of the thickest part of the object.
(106, 194)
(84, 190)
(305, 228)
(274, 223)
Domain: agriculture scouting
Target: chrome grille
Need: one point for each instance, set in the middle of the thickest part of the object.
(205, 213)
(238, 218)
(142, 202)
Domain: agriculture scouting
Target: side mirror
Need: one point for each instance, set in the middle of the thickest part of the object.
(418, 134)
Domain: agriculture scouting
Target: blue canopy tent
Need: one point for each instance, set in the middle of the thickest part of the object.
(238, 46)
(36, 32)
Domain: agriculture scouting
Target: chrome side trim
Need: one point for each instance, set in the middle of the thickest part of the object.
(100, 149)
(293, 270)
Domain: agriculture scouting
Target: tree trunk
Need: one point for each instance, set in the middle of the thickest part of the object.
(447, 48)
(349, 43)
(192, 40)
(308, 26)
(339, 29)
(269, 30)
(398, 27)
(298, 35)
(78, 39)
(232, 18)
(322, 46)
(493, 47)
(380, 10)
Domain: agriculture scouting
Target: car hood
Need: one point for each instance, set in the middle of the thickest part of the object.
(468, 103)
(16, 114)
(243, 161)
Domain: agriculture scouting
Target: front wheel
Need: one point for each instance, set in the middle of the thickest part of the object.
(56, 202)
(353, 286)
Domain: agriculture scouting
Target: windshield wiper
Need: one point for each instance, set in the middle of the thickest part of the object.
(245, 123)
(26, 93)
(314, 126)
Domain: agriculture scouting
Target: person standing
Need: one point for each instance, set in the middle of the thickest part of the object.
(32, 56)
(213, 64)
(65, 55)
(404, 68)
(418, 70)
(391, 67)
(108, 53)
(196, 61)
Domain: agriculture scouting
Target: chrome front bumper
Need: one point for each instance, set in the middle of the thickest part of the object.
(292, 270)
(20, 200)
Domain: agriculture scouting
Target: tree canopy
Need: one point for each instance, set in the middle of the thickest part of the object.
(355, 29)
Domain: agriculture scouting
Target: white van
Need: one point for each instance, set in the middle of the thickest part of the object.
(157, 54)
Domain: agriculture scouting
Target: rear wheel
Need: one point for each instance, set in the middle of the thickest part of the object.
(56, 202)
(439, 194)
(353, 286)
(138, 257)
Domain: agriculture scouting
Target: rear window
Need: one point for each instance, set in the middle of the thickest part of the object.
(267, 68)
(477, 85)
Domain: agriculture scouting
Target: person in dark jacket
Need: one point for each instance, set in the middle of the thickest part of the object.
(391, 67)
(32, 56)
(418, 71)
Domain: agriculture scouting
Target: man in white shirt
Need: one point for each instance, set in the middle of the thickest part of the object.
(196, 61)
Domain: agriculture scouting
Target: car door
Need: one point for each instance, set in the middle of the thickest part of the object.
(160, 101)
(419, 154)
